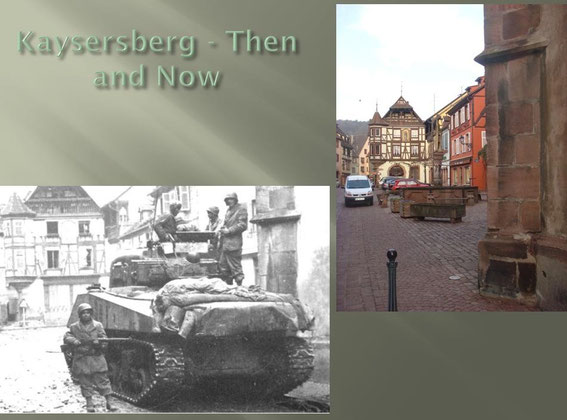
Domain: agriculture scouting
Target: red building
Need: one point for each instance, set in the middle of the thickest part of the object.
(468, 137)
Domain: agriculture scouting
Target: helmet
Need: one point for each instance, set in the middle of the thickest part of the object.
(176, 206)
(231, 195)
(193, 257)
(84, 307)
(213, 210)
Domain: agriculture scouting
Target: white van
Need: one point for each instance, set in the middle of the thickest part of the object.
(358, 190)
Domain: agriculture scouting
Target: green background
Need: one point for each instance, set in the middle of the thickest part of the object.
(272, 121)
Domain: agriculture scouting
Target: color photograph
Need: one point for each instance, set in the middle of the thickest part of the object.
(449, 174)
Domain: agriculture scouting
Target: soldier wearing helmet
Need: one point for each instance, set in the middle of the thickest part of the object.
(166, 226)
(89, 365)
(230, 244)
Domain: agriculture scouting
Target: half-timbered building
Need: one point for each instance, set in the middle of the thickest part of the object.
(397, 143)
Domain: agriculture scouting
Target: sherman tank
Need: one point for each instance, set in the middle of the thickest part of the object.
(173, 327)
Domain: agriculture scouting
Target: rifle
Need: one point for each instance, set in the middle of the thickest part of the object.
(68, 347)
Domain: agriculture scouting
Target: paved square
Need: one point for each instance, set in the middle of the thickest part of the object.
(429, 253)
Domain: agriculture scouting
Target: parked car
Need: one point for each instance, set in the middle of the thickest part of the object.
(388, 181)
(407, 183)
(358, 190)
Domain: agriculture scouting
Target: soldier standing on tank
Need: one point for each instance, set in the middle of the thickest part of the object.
(89, 365)
(166, 226)
(230, 243)
(213, 226)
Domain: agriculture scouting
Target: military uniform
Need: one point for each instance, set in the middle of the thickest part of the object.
(165, 226)
(230, 264)
(89, 365)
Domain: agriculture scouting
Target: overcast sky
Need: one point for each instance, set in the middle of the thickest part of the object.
(428, 48)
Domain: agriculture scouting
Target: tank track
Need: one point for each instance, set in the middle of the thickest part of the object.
(297, 367)
(166, 373)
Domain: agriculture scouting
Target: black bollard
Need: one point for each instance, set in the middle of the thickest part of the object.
(392, 264)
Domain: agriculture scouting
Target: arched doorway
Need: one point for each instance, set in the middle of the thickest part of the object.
(396, 170)
(414, 172)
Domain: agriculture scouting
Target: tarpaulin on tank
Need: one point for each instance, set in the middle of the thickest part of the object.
(212, 307)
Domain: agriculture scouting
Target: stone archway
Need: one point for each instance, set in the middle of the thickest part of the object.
(396, 170)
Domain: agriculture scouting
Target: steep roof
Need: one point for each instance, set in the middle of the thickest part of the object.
(401, 103)
(377, 120)
(358, 143)
(16, 208)
(59, 200)
(401, 106)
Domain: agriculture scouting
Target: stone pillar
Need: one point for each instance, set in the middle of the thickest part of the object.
(524, 59)
(277, 220)
(437, 159)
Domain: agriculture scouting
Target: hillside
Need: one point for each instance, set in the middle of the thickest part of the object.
(353, 128)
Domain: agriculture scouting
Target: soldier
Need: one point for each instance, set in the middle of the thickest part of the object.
(214, 221)
(213, 226)
(166, 226)
(230, 243)
(89, 365)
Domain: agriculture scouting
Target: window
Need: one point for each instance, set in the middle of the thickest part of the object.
(396, 151)
(415, 151)
(7, 228)
(468, 112)
(52, 259)
(483, 138)
(165, 203)
(378, 131)
(84, 228)
(445, 140)
(18, 228)
(365, 152)
(20, 261)
(414, 134)
(362, 169)
(123, 215)
(337, 157)
(397, 133)
(184, 195)
(362, 160)
(86, 257)
(52, 228)
(468, 142)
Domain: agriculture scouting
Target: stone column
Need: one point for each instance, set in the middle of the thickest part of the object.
(437, 159)
(524, 58)
(277, 220)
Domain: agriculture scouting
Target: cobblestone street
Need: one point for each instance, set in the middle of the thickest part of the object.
(429, 252)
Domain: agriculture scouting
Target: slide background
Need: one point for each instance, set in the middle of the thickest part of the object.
(272, 121)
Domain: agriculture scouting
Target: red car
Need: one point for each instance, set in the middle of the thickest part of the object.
(408, 183)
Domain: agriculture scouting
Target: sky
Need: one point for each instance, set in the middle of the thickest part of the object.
(421, 51)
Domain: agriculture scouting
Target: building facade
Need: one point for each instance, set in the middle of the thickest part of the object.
(468, 137)
(397, 144)
(360, 144)
(437, 133)
(344, 150)
(53, 246)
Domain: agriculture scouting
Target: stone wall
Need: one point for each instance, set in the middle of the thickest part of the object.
(524, 253)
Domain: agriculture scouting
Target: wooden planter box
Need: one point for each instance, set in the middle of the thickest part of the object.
(455, 212)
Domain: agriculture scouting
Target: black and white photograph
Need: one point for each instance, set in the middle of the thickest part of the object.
(164, 299)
